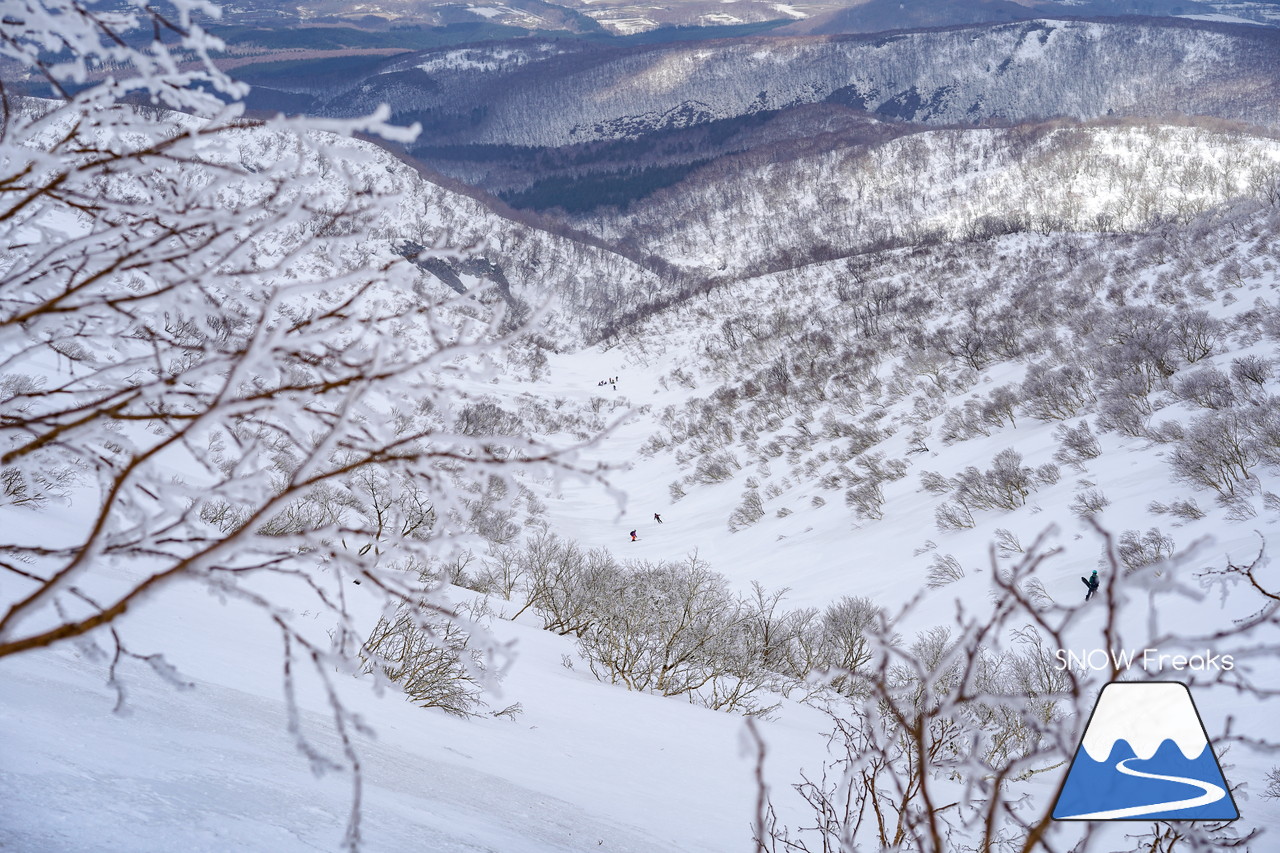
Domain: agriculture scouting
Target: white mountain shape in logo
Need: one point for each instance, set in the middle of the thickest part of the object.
(1144, 715)
(1163, 768)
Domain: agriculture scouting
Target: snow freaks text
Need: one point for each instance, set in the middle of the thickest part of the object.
(1151, 660)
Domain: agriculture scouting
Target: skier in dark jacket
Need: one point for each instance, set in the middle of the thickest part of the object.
(1092, 583)
(657, 518)
(633, 536)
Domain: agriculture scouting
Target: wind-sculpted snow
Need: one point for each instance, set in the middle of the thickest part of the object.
(993, 73)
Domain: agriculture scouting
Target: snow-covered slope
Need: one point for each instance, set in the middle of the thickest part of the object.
(1006, 73)
(767, 210)
(782, 426)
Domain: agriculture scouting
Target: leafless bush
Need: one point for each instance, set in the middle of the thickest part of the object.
(1005, 485)
(1207, 387)
(1089, 502)
(945, 569)
(935, 483)
(1187, 510)
(1126, 413)
(1251, 372)
(1196, 333)
(1077, 444)
(842, 644)
(1216, 452)
(1007, 543)
(952, 515)
(1136, 549)
(748, 511)
(1048, 474)
(430, 659)
(563, 583)
(715, 467)
(1056, 393)
(676, 630)
(1273, 784)
(866, 500)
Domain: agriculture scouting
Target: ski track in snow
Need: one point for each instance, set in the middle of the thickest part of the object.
(1212, 793)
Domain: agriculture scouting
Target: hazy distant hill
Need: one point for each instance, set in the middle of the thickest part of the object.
(550, 94)
(881, 15)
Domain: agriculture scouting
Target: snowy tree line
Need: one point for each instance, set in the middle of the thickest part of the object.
(1103, 336)
(756, 213)
(674, 629)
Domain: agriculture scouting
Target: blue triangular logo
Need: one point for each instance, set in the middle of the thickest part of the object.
(1145, 756)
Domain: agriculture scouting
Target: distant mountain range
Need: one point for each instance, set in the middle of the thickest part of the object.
(628, 17)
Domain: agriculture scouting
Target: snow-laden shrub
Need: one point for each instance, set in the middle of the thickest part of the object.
(1216, 452)
(1187, 510)
(945, 569)
(1207, 387)
(1088, 502)
(1136, 549)
(430, 659)
(748, 511)
(1076, 445)
(715, 467)
(1056, 393)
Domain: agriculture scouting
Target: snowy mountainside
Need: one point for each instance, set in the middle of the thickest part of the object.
(864, 427)
(1008, 72)
(820, 402)
(883, 15)
(756, 212)
(582, 284)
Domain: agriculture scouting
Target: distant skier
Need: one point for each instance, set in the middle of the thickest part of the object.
(657, 518)
(633, 536)
(1092, 583)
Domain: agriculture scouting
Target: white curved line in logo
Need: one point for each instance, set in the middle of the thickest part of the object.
(1212, 793)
